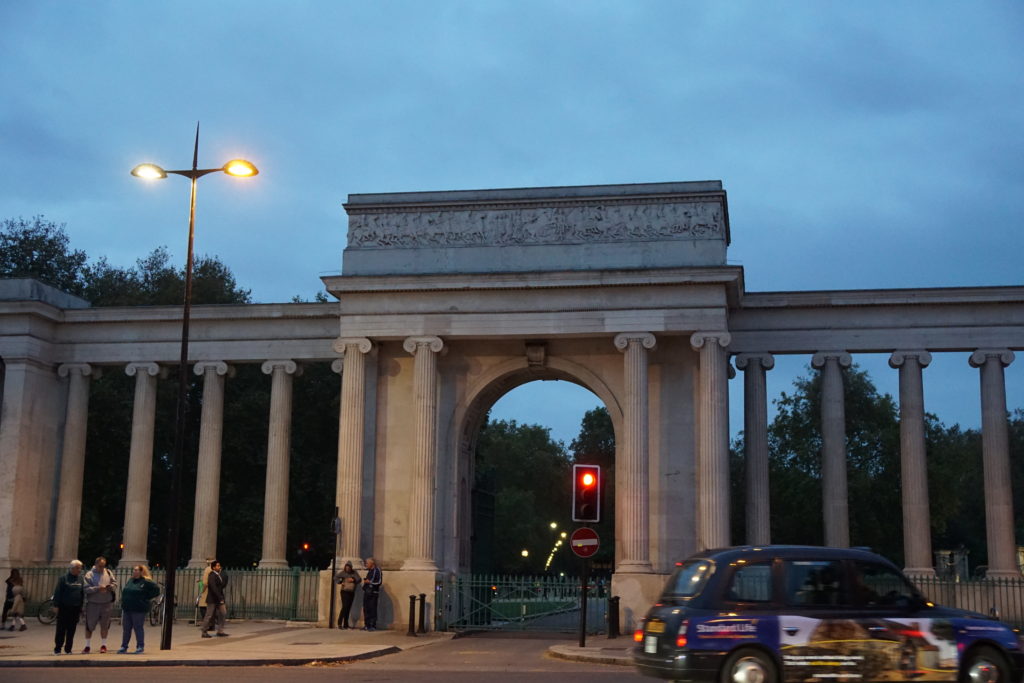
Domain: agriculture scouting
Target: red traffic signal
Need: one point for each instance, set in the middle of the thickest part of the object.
(586, 493)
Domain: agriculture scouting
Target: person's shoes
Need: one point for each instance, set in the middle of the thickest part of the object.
(123, 651)
(206, 635)
(67, 652)
(223, 635)
(85, 650)
(23, 628)
(103, 649)
(11, 628)
(138, 651)
(56, 650)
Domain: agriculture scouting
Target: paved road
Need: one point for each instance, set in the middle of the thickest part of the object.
(475, 658)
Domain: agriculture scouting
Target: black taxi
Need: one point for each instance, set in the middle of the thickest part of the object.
(798, 613)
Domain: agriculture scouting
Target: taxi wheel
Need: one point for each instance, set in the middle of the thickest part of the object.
(748, 666)
(985, 665)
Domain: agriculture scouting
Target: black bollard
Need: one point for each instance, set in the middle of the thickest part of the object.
(412, 616)
(613, 616)
(423, 613)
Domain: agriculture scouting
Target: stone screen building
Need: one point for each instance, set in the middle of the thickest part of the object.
(446, 301)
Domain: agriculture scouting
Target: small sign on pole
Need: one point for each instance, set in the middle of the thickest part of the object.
(584, 542)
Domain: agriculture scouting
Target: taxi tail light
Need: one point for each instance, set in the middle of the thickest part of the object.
(681, 635)
(638, 635)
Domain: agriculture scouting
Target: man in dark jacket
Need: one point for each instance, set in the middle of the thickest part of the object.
(216, 608)
(371, 594)
(68, 597)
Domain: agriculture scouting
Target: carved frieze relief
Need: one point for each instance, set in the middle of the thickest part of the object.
(536, 225)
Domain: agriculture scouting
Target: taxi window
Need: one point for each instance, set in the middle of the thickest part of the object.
(751, 583)
(815, 583)
(689, 578)
(877, 585)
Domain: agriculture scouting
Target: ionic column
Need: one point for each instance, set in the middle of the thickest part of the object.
(351, 417)
(421, 507)
(755, 444)
(995, 451)
(72, 463)
(833, 446)
(211, 434)
(275, 500)
(712, 439)
(140, 463)
(634, 492)
(917, 540)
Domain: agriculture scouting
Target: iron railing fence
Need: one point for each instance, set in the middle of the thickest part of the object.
(518, 603)
(252, 593)
(1003, 597)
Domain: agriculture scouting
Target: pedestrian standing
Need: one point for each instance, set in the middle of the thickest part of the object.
(100, 593)
(68, 597)
(203, 583)
(17, 612)
(347, 578)
(216, 606)
(136, 597)
(15, 576)
(371, 594)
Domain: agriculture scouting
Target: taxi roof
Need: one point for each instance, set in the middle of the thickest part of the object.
(747, 552)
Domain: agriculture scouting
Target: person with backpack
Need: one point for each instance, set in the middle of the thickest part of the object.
(100, 593)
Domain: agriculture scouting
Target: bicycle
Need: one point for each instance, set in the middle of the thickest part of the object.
(47, 613)
(156, 610)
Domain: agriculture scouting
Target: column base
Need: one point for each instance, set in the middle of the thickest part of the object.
(634, 567)
(637, 592)
(419, 564)
(1003, 574)
(393, 605)
(273, 564)
(923, 572)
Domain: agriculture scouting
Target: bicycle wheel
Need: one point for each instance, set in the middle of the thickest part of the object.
(47, 612)
(156, 612)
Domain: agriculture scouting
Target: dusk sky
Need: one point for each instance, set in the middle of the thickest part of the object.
(863, 145)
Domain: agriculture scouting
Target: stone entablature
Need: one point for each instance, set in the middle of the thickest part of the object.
(654, 225)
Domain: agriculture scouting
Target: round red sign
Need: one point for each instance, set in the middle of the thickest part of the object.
(584, 542)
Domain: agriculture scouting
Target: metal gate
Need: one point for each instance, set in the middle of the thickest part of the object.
(519, 603)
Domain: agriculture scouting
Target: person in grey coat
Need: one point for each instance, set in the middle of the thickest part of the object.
(100, 593)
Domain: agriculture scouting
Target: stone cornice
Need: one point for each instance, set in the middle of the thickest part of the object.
(883, 297)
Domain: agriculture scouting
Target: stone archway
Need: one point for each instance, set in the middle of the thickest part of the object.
(468, 416)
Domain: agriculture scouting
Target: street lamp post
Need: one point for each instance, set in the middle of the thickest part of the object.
(238, 168)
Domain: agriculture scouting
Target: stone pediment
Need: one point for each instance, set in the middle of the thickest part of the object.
(540, 229)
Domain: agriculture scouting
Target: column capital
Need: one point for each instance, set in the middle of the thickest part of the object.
(217, 366)
(341, 344)
(151, 369)
(752, 360)
(289, 366)
(842, 357)
(981, 356)
(699, 339)
(338, 365)
(435, 344)
(645, 339)
(83, 369)
(898, 358)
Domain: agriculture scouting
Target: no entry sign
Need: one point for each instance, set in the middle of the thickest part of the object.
(584, 542)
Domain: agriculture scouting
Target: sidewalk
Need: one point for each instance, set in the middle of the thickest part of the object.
(598, 651)
(251, 643)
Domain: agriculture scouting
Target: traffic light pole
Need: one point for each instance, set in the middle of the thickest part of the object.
(584, 585)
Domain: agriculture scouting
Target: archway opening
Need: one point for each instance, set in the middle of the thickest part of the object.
(527, 436)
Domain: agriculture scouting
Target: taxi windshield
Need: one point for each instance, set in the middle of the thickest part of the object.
(689, 578)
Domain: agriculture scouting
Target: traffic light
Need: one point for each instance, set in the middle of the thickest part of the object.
(586, 493)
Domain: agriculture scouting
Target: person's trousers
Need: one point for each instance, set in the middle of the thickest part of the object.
(347, 597)
(67, 624)
(98, 614)
(370, 608)
(133, 621)
(215, 614)
(7, 608)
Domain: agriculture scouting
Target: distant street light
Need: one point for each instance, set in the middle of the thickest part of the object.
(554, 525)
(525, 553)
(238, 168)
